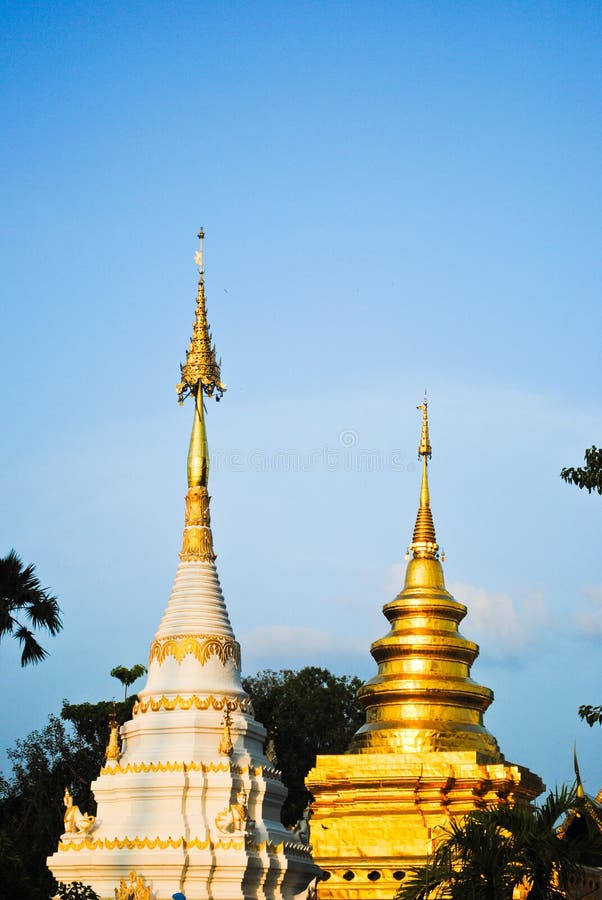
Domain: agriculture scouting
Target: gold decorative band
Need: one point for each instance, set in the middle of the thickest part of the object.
(201, 646)
(197, 542)
(202, 703)
(173, 844)
(149, 844)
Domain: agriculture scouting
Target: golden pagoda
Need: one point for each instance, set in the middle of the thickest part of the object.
(424, 754)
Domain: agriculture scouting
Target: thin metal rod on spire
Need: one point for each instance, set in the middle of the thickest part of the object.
(198, 256)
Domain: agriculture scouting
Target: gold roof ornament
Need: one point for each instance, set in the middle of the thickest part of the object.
(202, 370)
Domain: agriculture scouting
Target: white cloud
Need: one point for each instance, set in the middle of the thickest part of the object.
(588, 620)
(286, 646)
(504, 625)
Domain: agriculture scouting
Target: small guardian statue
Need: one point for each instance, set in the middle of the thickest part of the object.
(76, 822)
(270, 749)
(233, 820)
(113, 750)
(226, 747)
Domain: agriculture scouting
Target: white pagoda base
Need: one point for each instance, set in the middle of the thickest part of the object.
(192, 804)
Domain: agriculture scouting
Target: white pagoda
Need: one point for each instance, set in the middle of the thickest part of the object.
(189, 804)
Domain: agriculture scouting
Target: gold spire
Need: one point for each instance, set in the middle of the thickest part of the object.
(201, 369)
(200, 375)
(424, 542)
(423, 698)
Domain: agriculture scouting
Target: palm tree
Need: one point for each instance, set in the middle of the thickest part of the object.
(22, 597)
(492, 851)
(128, 676)
(474, 860)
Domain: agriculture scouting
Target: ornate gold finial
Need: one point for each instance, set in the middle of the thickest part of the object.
(200, 375)
(424, 542)
(201, 371)
(424, 448)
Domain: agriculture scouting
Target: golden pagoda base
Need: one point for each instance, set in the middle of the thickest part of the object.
(375, 815)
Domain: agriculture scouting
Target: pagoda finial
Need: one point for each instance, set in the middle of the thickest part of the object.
(424, 543)
(424, 448)
(201, 371)
(200, 375)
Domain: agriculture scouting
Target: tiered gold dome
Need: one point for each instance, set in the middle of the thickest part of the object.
(424, 756)
(423, 698)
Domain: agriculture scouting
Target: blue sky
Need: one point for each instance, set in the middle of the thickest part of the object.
(395, 196)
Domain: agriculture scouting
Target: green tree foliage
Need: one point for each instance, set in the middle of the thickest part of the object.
(588, 476)
(491, 851)
(31, 806)
(13, 874)
(591, 714)
(307, 712)
(90, 721)
(25, 604)
(76, 891)
(68, 752)
(128, 676)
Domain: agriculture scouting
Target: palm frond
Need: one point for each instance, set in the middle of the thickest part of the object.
(429, 881)
(32, 652)
(21, 592)
(43, 612)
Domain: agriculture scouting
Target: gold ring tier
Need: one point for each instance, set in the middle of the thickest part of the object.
(423, 698)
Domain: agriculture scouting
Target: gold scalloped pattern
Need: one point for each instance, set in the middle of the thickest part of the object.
(201, 646)
(173, 844)
(180, 767)
(149, 844)
(155, 704)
